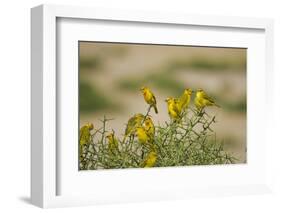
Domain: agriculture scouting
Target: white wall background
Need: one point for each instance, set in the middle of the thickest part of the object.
(15, 105)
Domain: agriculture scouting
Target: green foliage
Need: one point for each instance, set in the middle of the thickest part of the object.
(188, 141)
(92, 100)
(169, 84)
(206, 64)
(238, 106)
(166, 82)
(89, 63)
(234, 105)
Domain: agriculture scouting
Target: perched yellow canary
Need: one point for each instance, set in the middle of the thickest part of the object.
(85, 134)
(112, 142)
(133, 123)
(142, 135)
(173, 108)
(149, 128)
(150, 160)
(202, 100)
(185, 99)
(149, 98)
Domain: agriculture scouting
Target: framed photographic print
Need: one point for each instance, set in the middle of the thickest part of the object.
(148, 117)
(130, 106)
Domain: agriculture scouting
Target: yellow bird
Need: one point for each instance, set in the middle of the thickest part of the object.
(149, 98)
(150, 160)
(185, 99)
(133, 123)
(142, 135)
(112, 142)
(85, 137)
(202, 100)
(173, 108)
(149, 128)
(85, 134)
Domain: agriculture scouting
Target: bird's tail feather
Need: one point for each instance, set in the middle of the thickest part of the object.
(217, 105)
(155, 109)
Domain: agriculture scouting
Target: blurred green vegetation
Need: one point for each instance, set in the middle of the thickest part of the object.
(115, 51)
(172, 86)
(206, 64)
(165, 79)
(92, 63)
(165, 82)
(237, 105)
(93, 100)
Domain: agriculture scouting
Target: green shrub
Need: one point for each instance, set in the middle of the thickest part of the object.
(188, 141)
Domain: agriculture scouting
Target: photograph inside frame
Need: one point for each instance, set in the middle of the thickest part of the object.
(148, 105)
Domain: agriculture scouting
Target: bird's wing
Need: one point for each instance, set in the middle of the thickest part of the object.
(129, 127)
(175, 108)
(182, 99)
(82, 132)
(205, 96)
(177, 105)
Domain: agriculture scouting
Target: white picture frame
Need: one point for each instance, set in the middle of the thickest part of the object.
(44, 154)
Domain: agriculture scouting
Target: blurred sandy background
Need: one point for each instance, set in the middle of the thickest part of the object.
(111, 75)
